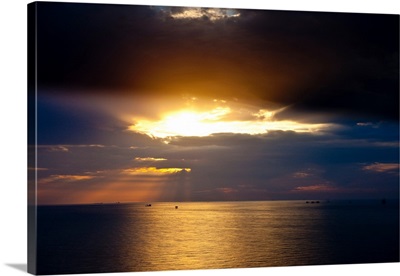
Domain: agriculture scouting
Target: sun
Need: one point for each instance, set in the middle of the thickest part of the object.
(184, 123)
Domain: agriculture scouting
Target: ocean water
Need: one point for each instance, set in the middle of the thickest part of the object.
(209, 235)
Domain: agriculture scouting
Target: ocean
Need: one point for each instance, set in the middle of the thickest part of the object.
(209, 235)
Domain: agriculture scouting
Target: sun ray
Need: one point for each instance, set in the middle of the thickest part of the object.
(220, 119)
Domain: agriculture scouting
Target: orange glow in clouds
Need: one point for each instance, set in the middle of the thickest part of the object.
(219, 119)
(155, 171)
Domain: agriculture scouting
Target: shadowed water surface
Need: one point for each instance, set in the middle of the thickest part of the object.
(207, 235)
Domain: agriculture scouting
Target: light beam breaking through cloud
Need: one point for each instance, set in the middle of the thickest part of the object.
(221, 119)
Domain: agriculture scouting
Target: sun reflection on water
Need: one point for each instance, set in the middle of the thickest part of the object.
(199, 236)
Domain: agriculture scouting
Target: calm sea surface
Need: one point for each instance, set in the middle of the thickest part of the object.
(208, 235)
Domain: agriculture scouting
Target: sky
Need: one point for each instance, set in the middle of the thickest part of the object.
(151, 103)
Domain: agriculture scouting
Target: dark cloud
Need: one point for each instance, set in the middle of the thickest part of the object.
(246, 167)
(270, 163)
(337, 62)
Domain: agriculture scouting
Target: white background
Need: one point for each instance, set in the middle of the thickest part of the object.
(13, 128)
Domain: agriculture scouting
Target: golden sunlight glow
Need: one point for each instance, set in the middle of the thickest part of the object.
(149, 159)
(65, 178)
(220, 119)
(155, 171)
(212, 13)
